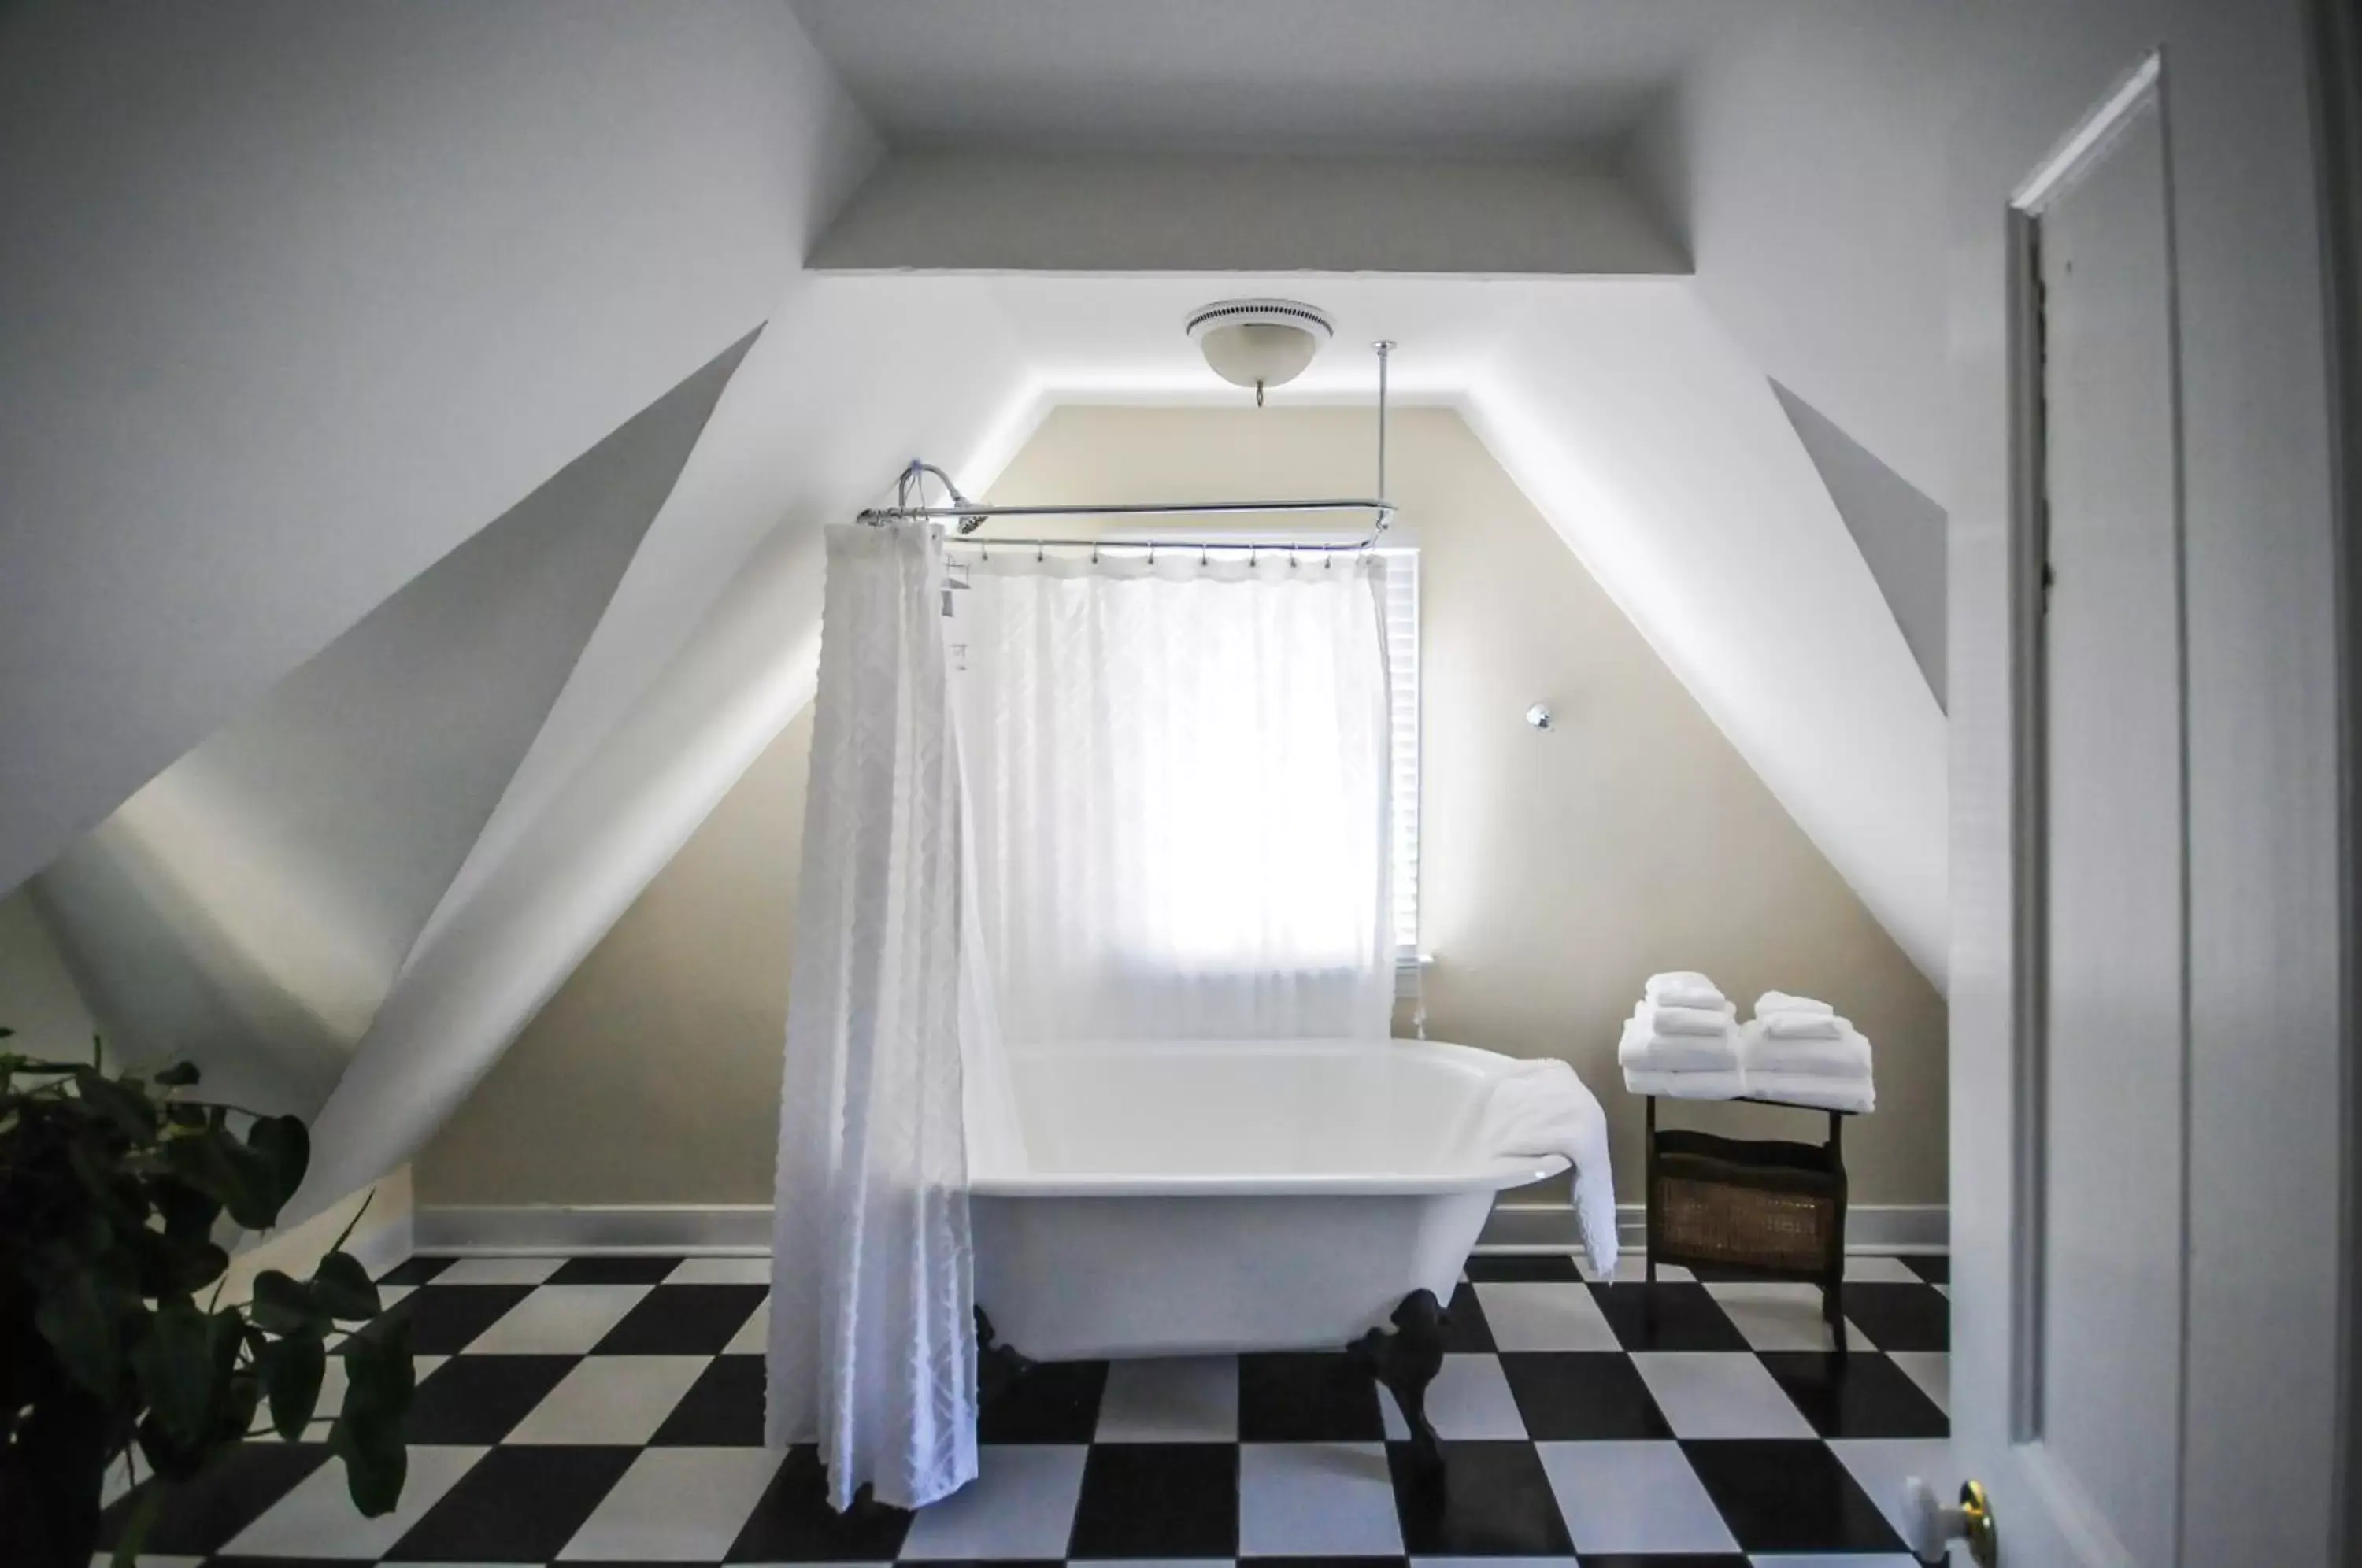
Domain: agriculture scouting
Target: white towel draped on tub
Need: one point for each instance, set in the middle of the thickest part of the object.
(1540, 1108)
(872, 1333)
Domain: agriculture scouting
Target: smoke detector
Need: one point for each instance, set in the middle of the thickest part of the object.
(1258, 343)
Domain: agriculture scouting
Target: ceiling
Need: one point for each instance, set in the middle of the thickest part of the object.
(1475, 78)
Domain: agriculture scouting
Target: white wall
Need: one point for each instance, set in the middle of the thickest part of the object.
(1801, 164)
(296, 297)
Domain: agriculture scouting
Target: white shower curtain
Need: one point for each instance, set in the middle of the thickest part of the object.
(1180, 777)
(872, 1338)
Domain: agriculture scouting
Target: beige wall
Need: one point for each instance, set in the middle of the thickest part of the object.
(1560, 868)
(653, 1075)
(39, 998)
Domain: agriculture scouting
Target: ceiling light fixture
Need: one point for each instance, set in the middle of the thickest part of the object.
(1258, 343)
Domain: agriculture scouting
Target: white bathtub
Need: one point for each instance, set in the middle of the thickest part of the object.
(1174, 1198)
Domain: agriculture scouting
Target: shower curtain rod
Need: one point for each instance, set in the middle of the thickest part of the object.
(967, 516)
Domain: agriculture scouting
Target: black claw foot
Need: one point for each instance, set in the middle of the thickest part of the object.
(998, 1368)
(1407, 1362)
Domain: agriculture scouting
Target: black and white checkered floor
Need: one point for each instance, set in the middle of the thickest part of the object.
(610, 1410)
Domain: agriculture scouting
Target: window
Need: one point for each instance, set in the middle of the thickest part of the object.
(1402, 666)
(1196, 789)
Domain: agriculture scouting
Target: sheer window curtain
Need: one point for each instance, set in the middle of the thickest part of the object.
(1180, 777)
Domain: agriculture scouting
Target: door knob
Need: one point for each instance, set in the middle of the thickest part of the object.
(1935, 1526)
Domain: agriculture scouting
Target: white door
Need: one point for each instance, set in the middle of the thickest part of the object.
(2070, 1321)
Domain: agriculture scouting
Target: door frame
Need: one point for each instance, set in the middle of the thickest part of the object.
(2334, 64)
(2085, 1532)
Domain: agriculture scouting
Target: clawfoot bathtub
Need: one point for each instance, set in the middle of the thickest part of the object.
(1191, 1197)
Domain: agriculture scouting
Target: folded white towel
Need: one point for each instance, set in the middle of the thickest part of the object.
(1686, 1086)
(1838, 1051)
(1802, 1026)
(1682, 988)
(1659, 1019)
(1642, 1048)
(1856, 1094)
(1781, 1001)
(1542, 1107)
(1847, 1056)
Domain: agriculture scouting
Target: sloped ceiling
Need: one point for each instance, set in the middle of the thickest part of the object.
(247, 910)
(293, 298)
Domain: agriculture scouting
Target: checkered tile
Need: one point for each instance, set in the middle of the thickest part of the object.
(610, 1410)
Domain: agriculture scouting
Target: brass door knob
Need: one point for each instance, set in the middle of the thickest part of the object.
(1935, 1526)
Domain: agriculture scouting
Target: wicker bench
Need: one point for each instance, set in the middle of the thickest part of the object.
(1758, 1207)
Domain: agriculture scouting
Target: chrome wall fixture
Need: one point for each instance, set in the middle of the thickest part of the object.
(964, 517)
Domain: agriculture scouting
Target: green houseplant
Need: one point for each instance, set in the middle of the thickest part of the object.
(112, 1338)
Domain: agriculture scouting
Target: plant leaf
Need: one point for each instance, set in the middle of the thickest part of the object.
(379, 1377)
(74, 1318)
(376, 1465)
(292, 1370)
(189, 1213)
(144, 1509)
(173, 1264)
(129, 1110)
(367, 1432)
(283, 1148)
(342, 1288)
(227, 1171)
(283, 1304)
(176, 1370)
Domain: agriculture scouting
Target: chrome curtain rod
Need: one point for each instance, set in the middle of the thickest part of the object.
(967, 516)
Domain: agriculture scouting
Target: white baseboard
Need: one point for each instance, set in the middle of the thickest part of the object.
(694, 1229)
(1869, 1228)
(743, 1230)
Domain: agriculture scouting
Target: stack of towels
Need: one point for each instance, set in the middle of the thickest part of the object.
(1799, 1050)
(1683, 1041)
